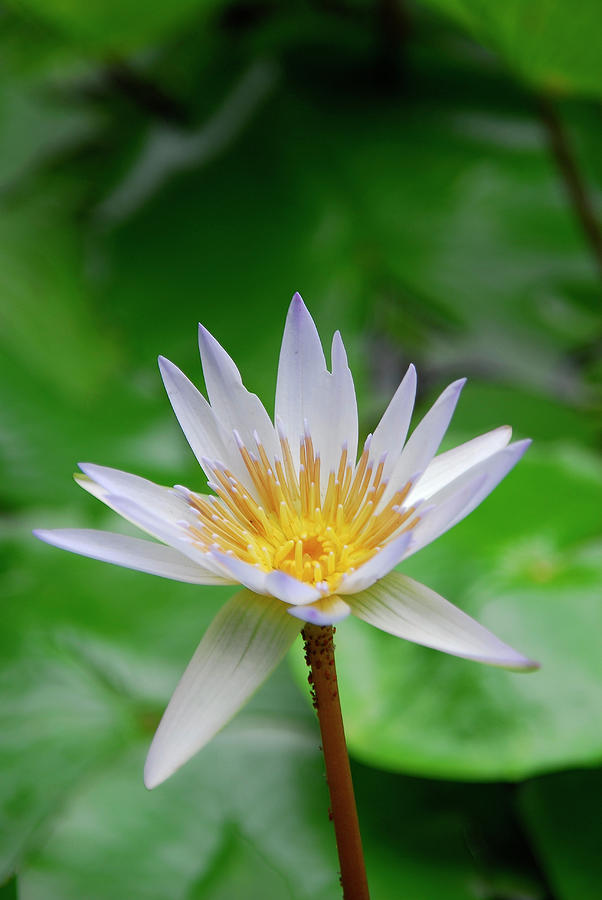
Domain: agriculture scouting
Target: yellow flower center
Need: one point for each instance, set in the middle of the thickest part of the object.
(290, 526)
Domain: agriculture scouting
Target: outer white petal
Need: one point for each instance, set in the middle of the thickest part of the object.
(235, 407)
(439, 517)
(206, 435)
(449, 465)
(407, 609)
(251, 577)
(92, 487)
(163, 502)
(132, 553)
(145, 518)
(377, 567)
(474, 485)
(327, 611)
(425, 439)
(494, 468)
(174, 534)
(390, 433)
(244, 643)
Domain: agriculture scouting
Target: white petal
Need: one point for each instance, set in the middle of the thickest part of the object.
(174, 534)
(160, 511)
(474, 485)
(152, 524)
(251, 577)
(407, 609)
(235, 407)
(449, 465)
(425, 439)
(91, 487)
(276, 583)
(163, 502)
(290, 589)
(341, 419)
(132, 553)
(144, 517)
(326, 611)
(377, 567)
(391, 431)
(301, 371)
(308, 396)
(244, 643)
(495, 468)
(439, 517)
(303, 385)
(206, 435)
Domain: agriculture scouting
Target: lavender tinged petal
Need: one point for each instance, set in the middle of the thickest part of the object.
(243, 645)
(407, 609)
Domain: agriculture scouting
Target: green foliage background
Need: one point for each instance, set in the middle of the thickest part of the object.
(428, 176)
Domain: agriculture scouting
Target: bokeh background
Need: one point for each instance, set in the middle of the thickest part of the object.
(427, 176)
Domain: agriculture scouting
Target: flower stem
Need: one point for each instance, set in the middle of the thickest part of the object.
(319, 655)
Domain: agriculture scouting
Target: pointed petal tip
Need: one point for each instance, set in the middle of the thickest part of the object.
(167, 371)
(205, 336)
(411, 374)
(94, 471)
(298, 308)
(518, 449)
(153, 776)
(207, 341)
(523, 666)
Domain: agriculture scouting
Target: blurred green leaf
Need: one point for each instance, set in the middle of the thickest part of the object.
(548, 43)
(59, 722)
(524, 565)
(485, 405)
(109, 26)
(37, 126)
(442, 839)
(260, 780)
(47, 324)
(562, 815)
(374, 223)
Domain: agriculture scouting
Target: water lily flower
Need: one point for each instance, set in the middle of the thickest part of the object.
(312, 532)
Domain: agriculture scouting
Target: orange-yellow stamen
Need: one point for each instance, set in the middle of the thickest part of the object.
(292, 524)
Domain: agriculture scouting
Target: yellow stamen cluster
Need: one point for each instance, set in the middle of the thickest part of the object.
(290, 526)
